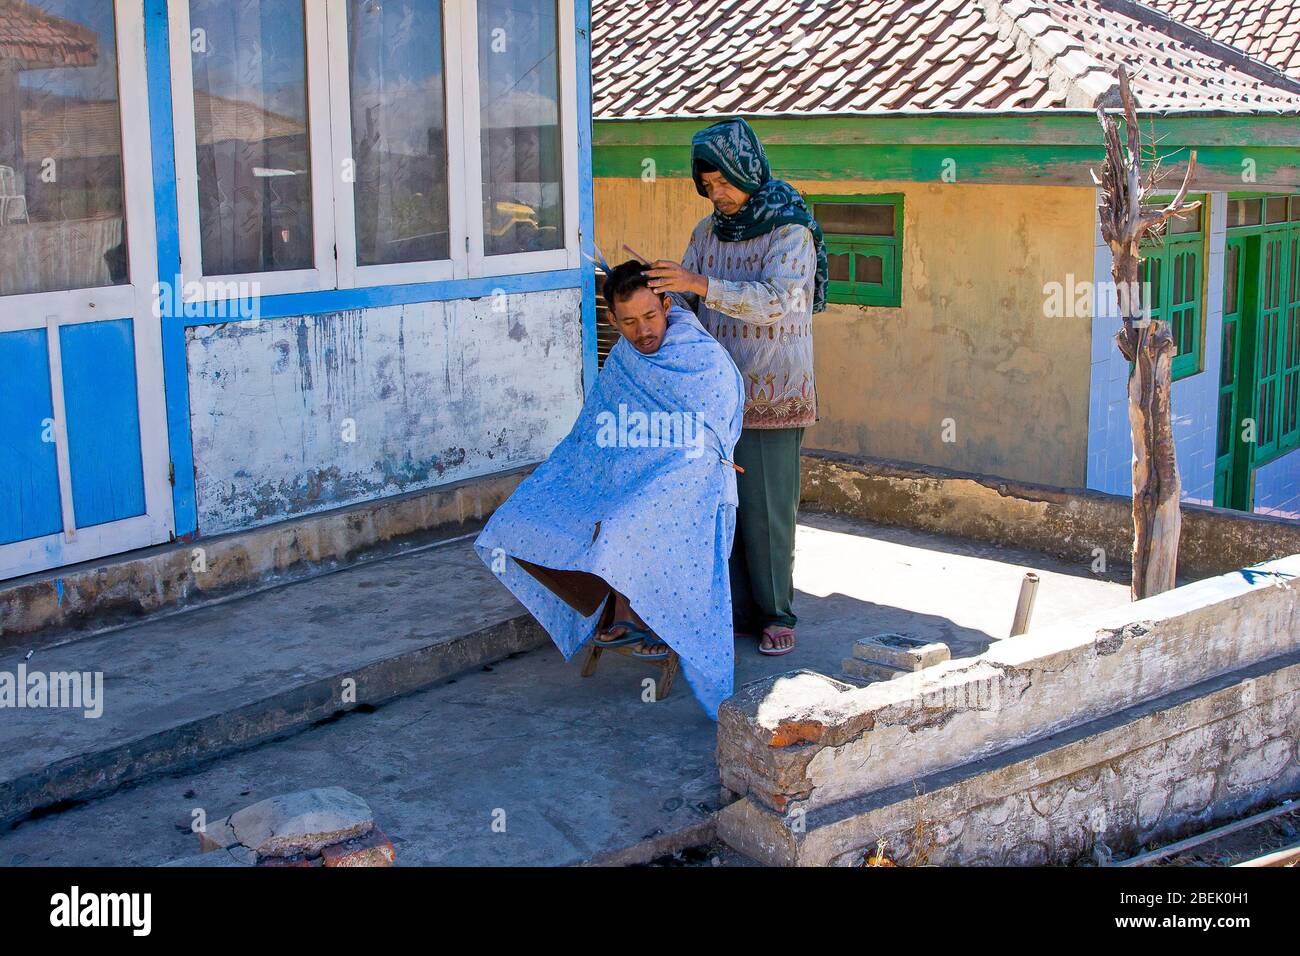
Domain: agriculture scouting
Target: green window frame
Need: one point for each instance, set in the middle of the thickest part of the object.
(1275, 402)
(865, 269)
(1172, 272)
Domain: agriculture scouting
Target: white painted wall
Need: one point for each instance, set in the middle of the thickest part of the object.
(1195, 398)
(430, 393)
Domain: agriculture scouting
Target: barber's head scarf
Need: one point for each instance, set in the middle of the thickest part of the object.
(732, 147)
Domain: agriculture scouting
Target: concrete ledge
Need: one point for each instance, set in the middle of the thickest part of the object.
(801, 741)
(80, 599)
(1067, 523)
(105, 768)
(696, 834)
(1156, 771)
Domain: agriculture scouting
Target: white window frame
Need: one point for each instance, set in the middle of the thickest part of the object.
(350, 273)
(566, 257)
(133, 299)
(330, 146)
(322, 275)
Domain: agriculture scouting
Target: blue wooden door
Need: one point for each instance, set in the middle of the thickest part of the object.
(83, 460)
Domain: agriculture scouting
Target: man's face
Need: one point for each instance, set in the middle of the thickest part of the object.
(642, 319)
(726, 198)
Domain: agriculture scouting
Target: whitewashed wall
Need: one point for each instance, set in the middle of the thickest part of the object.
(428, 394)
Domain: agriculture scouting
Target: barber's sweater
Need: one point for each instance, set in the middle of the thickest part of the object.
(759, 306)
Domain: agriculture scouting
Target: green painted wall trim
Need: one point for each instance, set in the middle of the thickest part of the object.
(1063, 130)
(1017, 150)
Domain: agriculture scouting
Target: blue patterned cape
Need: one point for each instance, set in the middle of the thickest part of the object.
(640, 493)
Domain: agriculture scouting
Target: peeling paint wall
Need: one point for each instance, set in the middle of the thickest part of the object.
(298, 415)
(970, 341)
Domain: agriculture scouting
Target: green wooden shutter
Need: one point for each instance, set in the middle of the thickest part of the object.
(1231, 458)
(1268, 365)
(1184, 300)
(864, 269)
(1289, 346)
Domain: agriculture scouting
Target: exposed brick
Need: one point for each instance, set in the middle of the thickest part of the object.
(373, 849)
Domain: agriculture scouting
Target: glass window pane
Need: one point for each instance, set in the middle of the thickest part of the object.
(838, 263)
(1185, 284)
(1244, 212)
(399, 130)
(250, 119)
(1275, 209)
(1150, 278)
(868, 268)
(1295, 208)
(1181, 225)
(1231, 274)
(62, 219)
(855, 219)
(1228, 356)
(519, 112)
(1225, 424)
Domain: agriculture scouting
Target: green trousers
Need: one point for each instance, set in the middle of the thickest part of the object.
(762, 556)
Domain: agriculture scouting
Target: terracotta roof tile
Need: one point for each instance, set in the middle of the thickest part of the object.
(32, 38)
(1268, 30)
(692, 58)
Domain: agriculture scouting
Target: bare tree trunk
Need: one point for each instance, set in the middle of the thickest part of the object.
(1157, 519)
(1148, 345)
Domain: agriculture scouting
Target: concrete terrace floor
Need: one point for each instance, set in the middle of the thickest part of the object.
(575, 767)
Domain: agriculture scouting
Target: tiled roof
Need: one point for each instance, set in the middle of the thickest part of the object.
(714, 57)
(33, 38)
(1268, 30)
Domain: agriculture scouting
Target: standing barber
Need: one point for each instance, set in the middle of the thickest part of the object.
(754, 272)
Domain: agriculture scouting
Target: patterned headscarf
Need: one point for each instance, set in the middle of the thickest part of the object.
(733, 148)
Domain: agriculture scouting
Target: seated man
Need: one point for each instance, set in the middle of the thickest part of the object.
(622, 535)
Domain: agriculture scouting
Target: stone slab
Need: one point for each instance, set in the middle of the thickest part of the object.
(302, 823)
(900, 651)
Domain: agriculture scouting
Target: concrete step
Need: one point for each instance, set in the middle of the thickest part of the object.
(194, 685)
(66, 603)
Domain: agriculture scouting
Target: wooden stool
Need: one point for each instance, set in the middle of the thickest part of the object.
(667, 667)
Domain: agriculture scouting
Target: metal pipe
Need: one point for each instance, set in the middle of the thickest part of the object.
(1025, 605)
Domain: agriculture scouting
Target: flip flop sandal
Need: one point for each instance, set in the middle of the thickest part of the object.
(775, 651)
(652, 641)
(633, 635)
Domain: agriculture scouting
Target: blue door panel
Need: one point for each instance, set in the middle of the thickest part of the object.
(99, 399)
(29, 466)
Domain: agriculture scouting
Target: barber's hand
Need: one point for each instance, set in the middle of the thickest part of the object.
(668, 276)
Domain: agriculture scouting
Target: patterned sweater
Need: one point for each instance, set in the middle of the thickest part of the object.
(759, 306)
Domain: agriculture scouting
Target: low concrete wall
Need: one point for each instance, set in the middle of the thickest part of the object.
(1154, 772)
(101, 594)
(801, 748)
(1067, 523)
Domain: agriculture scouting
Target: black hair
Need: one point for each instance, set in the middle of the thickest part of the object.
(703, 166)
(623, 280)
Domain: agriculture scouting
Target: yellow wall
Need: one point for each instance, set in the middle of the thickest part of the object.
(970, 342)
